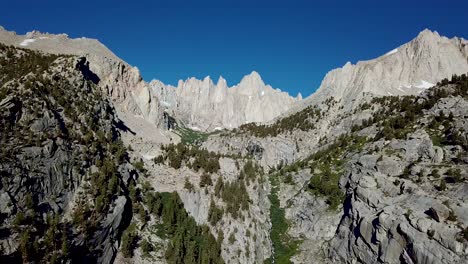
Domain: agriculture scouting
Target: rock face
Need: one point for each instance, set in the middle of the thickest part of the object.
(203, 105)
(383, 183)
(121, 81)
(393, 223)
(56, 130)
(199, 104)
(408, 69)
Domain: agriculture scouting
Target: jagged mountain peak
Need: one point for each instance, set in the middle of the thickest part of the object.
(203, 105)
(253, 79)
(427, 33)
(408, 69)
(222, 83)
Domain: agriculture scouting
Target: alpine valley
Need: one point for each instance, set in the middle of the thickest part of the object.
(99, 166)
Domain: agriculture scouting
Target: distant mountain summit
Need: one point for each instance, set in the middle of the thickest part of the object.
(204, 105)
(199, 104)
(408, 69)
(56, 43)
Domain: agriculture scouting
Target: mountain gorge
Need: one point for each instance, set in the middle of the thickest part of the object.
(98, 165)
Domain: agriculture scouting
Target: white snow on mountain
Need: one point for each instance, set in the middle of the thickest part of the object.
(391, 52)
(424, 85)
(26, 42)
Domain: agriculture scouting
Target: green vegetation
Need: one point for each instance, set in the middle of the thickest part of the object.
(192, 156)
(81, 121)
(188, 243)
(250, 172)
(188, 185)
(303, 120)
(205, 180)
(140, 166)
(15, 65)
(190, 136)
(236, 197)
(146, 247)
(327, 168)
(129, 240)
(454, 175)
(284, 246)
(234, 194)
(442, 185)
(215, 213)
(398, 114)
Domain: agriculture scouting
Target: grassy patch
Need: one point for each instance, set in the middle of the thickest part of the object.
(284, 246)
(190, 136)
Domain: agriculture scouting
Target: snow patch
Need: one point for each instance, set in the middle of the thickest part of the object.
(263, 93)
(148, 157)
(399, 88)
(166, 104)
(195, 128)
(218, 128)
(391, 52)
(389, 93)
(250, 97)
(424, 85)
(26, 42)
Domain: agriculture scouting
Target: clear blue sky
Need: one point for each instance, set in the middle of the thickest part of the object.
(292, 44)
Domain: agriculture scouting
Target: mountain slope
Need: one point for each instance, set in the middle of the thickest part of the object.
(354, 176)
(200, 104)
(197, 103)
(64, 170)
(408, 69)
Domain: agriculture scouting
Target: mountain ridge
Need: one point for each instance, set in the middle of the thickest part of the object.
(407, 69)
(126, 86)
(256, 101)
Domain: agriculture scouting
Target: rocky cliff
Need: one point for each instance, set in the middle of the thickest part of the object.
(64, 171)
(353, 174)
(196, 103)
(408, 69)
(203, 105)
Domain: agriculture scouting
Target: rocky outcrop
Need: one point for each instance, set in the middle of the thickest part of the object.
(408, 69)
(203, 105)
(56, 132)
(392, 223)
(198, 104)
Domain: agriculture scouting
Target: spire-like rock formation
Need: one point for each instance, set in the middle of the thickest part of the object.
(205, 106)
(196, 103)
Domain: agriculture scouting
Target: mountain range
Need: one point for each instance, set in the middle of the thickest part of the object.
(203, 105)
(99, 166)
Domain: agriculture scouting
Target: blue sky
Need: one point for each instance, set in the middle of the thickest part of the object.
(292, 44)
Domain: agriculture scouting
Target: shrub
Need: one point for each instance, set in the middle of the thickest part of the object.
(452, 216)
(232, 238)
(442, 185)
(129, 239)
(205, 180)
(214, 214)
(188, 185)
(146, 247)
